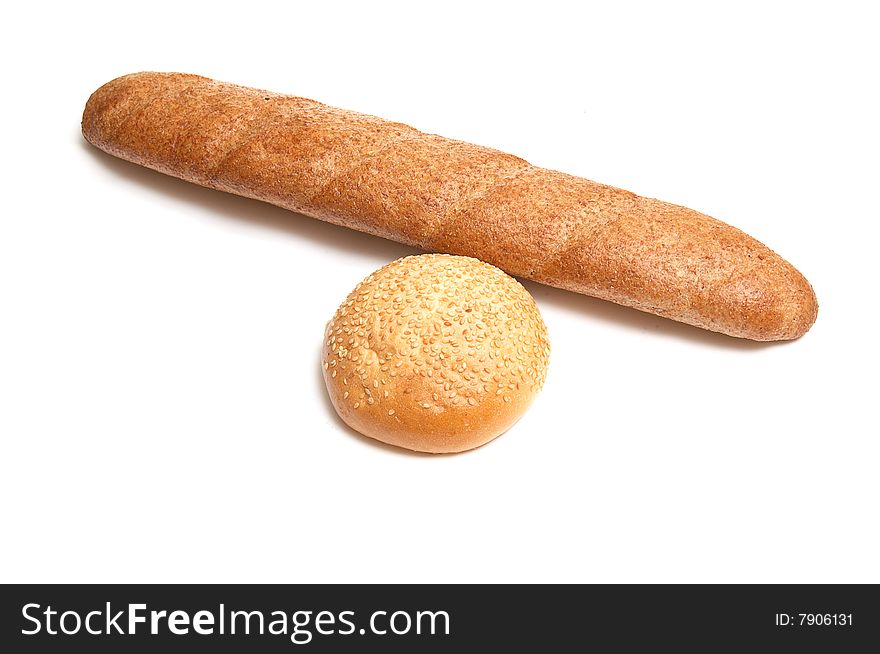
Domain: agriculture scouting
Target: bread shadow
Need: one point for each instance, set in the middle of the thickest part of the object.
(227, 206)
(638, 321)
(245, 210)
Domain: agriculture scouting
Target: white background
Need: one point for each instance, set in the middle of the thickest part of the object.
(161, 409)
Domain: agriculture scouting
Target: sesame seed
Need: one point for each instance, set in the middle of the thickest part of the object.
(448, 319)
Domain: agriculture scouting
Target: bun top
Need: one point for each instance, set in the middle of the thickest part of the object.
(435, 352)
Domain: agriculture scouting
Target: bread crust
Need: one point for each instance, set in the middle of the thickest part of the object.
(439, 194)
(435, 353)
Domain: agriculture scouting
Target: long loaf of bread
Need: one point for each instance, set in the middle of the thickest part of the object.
(443, 195)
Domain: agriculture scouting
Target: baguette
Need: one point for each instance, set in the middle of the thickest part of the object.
(443, 195)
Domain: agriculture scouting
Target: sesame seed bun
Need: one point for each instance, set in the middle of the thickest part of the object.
(435, 353)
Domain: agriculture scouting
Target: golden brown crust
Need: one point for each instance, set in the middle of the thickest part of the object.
(291, 154)
(391, 180)
(435, 353)
(409, 187)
